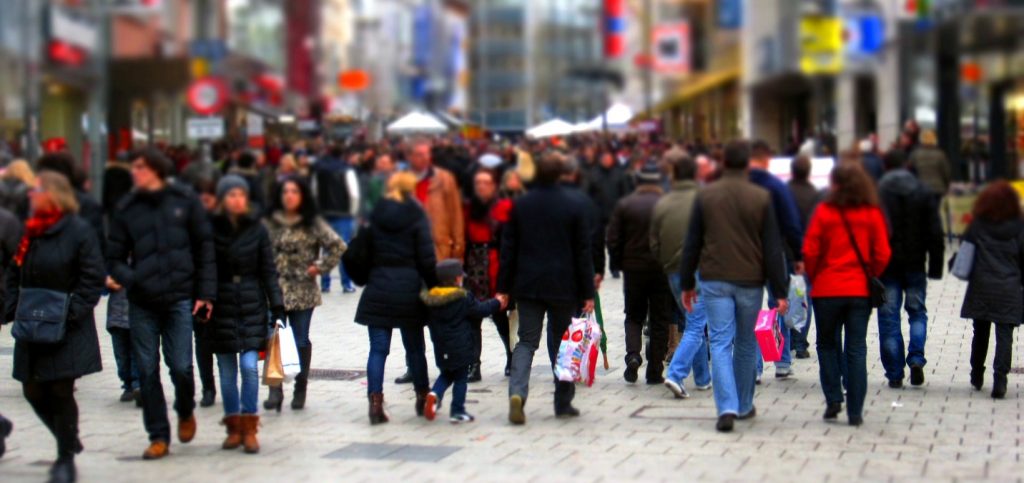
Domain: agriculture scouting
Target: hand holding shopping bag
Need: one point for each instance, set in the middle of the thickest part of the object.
(273, 370)
(289, 353)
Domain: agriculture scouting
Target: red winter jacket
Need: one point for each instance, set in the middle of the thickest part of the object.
(488, 232)
(830, 261)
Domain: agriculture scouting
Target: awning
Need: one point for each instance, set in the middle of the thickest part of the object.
(698, 85)
(417, 122)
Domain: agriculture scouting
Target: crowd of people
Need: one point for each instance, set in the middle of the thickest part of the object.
(200, 260)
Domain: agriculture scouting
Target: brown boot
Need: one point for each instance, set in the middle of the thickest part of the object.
(421, 400)
(156, 450)
(187, 429)
(250, 426)
(233, 424)
(377, 413)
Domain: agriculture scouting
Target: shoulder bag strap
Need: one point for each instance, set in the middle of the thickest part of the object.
(853, 242)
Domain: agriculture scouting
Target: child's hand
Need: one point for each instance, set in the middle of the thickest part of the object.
(503, 300)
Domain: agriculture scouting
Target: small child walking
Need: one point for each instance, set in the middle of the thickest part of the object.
(451, 308)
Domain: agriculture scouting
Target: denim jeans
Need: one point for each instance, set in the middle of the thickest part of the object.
(300, 320)
(848, 314)
(229, 369)
(457, 378)
(912, 288)
(732, 313)
(380, 347)
(344, 226)
(169, 328)
(531, 325)
(692, 350)
(127, 369)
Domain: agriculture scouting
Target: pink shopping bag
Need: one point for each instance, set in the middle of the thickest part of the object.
(768, 331)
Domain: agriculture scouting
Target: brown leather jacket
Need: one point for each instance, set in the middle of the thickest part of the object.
(444, 209)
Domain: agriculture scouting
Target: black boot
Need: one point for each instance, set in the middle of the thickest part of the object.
(474, 373)
(404, 378)
(209, 398)
(5, 430)
(302, 380)
(63, 470)
(978, 379)
(999, 386)
(275, 399)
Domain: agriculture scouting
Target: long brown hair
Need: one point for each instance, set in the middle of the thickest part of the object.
(851, 186)
(998, 202)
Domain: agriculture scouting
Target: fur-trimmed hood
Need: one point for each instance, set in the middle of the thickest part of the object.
(441, 296)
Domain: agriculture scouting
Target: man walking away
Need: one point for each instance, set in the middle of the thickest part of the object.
(645, 287)
(10, 237)
(915, 234)
(806, 196)
(669, 224)
(790, 228)
(170, 278)
(547, 267)
(336, 188)
(734, 242)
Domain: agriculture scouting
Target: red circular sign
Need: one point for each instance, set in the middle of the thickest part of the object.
(207, 96)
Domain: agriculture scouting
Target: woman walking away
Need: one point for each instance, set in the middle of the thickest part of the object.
(304, 247)
(402, 260)
(486, 215)
(847, 228)
(59, 255)
(246, 289)
(994, 293)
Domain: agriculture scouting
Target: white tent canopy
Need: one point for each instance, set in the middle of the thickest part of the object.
(554, 127)
(417, 122)
(618, 117)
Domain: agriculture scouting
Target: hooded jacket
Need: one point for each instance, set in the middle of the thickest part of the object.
(450, 311)
(994, 291)
(403, 261)
(915, 232)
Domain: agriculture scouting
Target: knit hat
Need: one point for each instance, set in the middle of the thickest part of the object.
(230, 182)
(648, 174)
(448, 270)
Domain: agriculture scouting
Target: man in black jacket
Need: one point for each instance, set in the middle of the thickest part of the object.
(10, 237)
(915, 235)
(336, 188)
(607, 183)
(547, 267)
(645, 287)
(170, 278)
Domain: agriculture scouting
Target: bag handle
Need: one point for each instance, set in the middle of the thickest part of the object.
(856, 249)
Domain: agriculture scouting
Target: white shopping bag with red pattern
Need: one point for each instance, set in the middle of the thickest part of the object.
(578, 354)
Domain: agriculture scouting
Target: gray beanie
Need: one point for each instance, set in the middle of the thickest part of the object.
(230, 182)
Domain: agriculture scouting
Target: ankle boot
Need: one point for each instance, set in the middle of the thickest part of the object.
(250, 426)
(377, 413)
(302, 380)
(977, 379)
(233, 424)
(63, 470)
(275, 399)
(421, 400)
(999, 386)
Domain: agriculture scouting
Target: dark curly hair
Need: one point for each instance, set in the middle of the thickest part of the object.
(307, 209)
(998, 202)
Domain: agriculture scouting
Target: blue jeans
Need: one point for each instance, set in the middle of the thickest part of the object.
(300, 320)
(380, 347)
(911, 287)
(344, 227)
(457, 378)
(127, 369)
(692, 350)
(171, 328)
(229, 368)
(732, 313)
(849, 315)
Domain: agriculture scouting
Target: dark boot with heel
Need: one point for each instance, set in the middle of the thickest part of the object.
(377, 413)
(302, 380)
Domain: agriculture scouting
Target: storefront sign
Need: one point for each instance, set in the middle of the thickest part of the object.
(207, 96)
(205, 127)
(821, 45)
(73, 29)
(672, 48)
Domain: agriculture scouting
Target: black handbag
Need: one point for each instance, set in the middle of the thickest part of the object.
(41, 316)
(876, 289)
(357, 257)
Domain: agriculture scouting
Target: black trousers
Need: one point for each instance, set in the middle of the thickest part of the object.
(648, 298)
(500, 323)
(204, 359)
(1004, 347)
(54, 403)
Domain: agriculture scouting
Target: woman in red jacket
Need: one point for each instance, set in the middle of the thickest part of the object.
(485, 214)
(839, 284)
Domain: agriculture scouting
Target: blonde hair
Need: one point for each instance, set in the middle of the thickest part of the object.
(59, 188)
(288, 164)
(928, 138)
(401, 186)
(20, 170)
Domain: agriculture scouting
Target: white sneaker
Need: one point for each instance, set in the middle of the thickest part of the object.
(677, 389)
(706, 387)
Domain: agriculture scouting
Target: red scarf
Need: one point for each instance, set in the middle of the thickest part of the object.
(34, 227)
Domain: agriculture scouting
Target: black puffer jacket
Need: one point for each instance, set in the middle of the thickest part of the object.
(994, 291)
(450, 311)
(67, 259)
(402, 250)
(246, 286)
(915, 232)
(168, 236)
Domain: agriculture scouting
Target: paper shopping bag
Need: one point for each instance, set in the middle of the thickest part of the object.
(273, 371)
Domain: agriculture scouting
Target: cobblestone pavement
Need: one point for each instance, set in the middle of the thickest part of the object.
(941, 431)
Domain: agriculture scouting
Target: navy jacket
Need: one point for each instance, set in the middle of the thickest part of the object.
(451, 311)
(786, 211)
